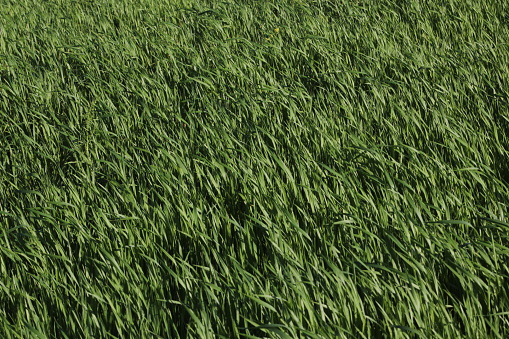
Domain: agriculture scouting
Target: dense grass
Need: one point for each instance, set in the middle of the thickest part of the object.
(286, 168)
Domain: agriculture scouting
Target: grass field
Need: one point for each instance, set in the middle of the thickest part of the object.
(250, 169)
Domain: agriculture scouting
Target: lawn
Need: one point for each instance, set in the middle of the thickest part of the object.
(250, 169)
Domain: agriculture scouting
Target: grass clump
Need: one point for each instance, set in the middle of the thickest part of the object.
(250, 169)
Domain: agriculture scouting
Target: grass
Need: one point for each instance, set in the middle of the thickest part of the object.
(247, 169)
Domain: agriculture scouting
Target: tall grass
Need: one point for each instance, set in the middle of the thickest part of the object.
(279, 169)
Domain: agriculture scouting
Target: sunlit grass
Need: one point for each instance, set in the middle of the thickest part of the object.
(276, 169)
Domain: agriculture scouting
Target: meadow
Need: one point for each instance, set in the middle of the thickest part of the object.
(254, 169)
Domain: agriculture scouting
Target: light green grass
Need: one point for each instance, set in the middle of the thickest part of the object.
(282, 169)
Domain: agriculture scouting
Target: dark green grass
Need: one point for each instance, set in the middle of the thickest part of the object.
(254, 169)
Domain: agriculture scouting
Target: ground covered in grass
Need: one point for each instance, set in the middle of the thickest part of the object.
(282, 169)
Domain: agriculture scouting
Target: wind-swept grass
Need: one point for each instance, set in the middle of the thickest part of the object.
(282, 169)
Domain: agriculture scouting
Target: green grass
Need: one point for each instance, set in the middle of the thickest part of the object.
(247, 169)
